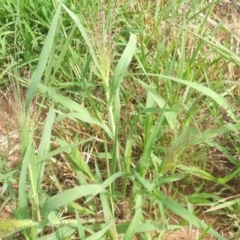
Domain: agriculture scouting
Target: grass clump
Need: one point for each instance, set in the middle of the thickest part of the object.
(130, 120)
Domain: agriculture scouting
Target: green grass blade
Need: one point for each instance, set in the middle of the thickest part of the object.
(219, 205)
(170, 116)
(78, 161)
(198, 172)
(23, 206)
(205, 175)
(111, 179)
(185, 214)
(68, 196)
(133, 227)
(87, 92)
(122, 66)
(7, 175)
(61, 58)
(204, 90)
(224, 150)
(148, 122)
(45, 143)
(80, 227)
(80, 112)
(146, 227)
(108, 214)
(63, 232)
(38, 73)
(62, 149)
(99, 234)
(128, 147)
(205, 136)
(145, 158)
(202, 198)
(83, 31)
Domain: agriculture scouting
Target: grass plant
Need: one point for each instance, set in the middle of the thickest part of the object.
(123, 110)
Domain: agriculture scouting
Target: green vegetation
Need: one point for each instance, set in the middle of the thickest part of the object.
(128, 119)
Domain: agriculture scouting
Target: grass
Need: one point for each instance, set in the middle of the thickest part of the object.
(127, 113)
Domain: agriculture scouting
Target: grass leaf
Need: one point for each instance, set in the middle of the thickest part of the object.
(68, 196)
(204, 90)
(169, 115)
(133, 227)
(38, 73)
(185, 214)
(122, 65)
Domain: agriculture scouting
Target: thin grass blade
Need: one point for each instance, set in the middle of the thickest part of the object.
(145, 158)
(185, 214)
(45, 143)
(42, 63)
(170, 116)
(122, 66)
(204, 90)
(83, 31)
(80, 112)
(133, 227)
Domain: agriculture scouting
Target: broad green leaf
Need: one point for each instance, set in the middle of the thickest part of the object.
(69, 196)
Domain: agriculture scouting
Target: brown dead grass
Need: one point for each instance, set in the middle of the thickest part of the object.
(9, 129)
